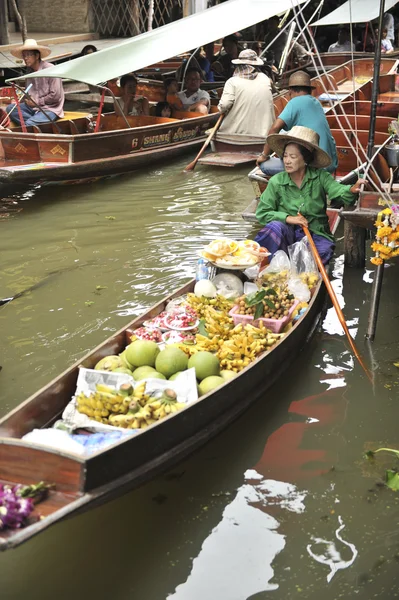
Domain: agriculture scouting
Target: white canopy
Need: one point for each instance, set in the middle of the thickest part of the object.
(167, 41)
(361, 11)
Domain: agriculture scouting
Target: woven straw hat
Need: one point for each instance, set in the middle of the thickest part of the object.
(300, 79)
(30, 45)
(248, 57)
(303, 136)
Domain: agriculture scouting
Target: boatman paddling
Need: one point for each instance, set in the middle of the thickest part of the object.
(247, 102)
(46, 92)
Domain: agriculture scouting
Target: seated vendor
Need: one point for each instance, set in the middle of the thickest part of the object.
(193, 98)
(45, 101)
(297, 196)
(129, 103)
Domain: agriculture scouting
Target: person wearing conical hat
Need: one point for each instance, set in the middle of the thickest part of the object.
(305, 110)
(45, 92)
(297, 196)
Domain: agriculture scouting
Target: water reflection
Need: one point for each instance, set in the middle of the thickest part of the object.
(236, 559)
(331, 556)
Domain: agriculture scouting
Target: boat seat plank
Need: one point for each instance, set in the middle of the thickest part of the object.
(228, 159)
(389, 96)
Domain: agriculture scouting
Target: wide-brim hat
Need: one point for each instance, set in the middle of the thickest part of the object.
(300, 79)
(31, 45)
(303, 136)
(248, 57)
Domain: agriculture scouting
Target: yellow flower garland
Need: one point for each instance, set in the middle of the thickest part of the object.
(386, 245)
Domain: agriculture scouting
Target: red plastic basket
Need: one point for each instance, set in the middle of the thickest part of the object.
(275, 325)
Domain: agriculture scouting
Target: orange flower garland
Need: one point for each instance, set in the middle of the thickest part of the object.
(386, 245)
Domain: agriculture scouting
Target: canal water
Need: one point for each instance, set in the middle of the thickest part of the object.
(282, 504)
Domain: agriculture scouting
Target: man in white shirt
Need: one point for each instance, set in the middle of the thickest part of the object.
(343, 44)
(193, 98)
(389, 25)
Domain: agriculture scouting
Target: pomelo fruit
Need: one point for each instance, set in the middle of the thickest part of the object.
(227, 375)
(175, 375)
(147, 373)
(142, 353)
(205, 364)
(156, 375)
(170, 360)
(124, 370)
(142, 372)
(109, 363)
(210, 383)
(125, 362)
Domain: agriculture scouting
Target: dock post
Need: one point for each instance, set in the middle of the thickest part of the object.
(354, 245)
(375, 302)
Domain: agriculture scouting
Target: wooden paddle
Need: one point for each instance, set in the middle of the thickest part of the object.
(192, 164)
(334, 300)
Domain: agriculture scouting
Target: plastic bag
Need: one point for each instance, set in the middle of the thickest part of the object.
(280, 262)
(299, 289)
(301, 257)
(303, 270)
(277, 273)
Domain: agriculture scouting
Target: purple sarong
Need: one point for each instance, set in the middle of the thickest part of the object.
(278, 236)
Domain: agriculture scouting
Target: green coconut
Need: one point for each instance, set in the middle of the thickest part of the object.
(227, 375)
(125, 362)
(205, 364)
(142, 353)
(171, 360)
(109, 363)
(123, 370)
(143, 372)
(210, 383)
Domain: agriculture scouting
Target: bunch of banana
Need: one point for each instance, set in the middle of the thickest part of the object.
(244, 345)
(217, 323)
(199, 304)
(140, 416)
(106, 401)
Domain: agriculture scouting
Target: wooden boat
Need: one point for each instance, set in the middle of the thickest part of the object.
(331, 60)
(70, 151)
(152, 89)
(343, 91)
(82, 483)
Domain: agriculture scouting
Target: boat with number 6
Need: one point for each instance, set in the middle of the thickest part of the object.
(77, 149)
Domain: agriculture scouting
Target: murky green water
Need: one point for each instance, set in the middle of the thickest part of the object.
(281, 505)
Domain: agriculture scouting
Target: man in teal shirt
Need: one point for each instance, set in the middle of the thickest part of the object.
(305, 110)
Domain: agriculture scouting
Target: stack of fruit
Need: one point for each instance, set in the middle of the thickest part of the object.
(266, 303)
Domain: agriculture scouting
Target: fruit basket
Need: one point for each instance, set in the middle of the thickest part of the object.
(275, 325)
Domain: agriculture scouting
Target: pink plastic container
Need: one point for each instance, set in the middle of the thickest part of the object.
(275, 325)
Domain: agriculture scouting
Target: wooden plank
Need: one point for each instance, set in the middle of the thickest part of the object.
(22, 463)
(228, 159)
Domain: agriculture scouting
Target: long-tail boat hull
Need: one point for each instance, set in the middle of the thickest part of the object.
(84, 482)
(75, 153)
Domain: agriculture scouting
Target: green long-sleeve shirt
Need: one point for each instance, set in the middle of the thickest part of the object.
(282, 198)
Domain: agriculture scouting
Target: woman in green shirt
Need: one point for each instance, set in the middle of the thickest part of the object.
(297, 196)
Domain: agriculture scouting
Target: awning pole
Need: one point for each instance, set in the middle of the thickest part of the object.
(379, 272)
(376, 82)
